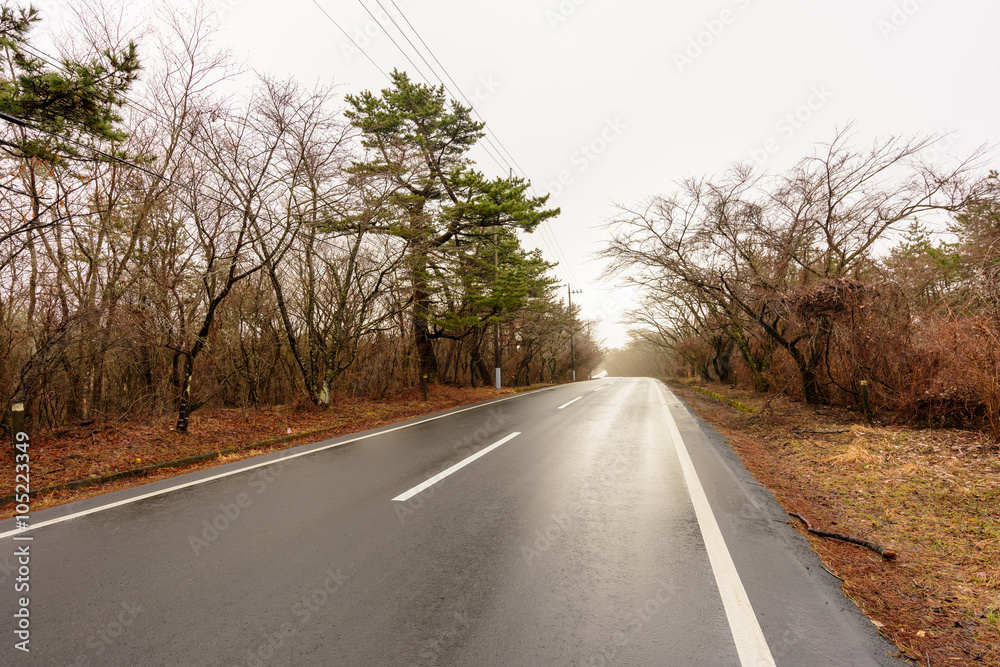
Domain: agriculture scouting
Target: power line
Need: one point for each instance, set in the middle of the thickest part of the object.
(504, 163)
(150, 112)
(441, 80)
(153, 113)
(551, 241)
(560, 266)
(445, 70)
(405, 55)
(375, 64)
(419, 71)
(558, 252)
(23, 123)
(351, 40)
(489, 131)
(548, 238)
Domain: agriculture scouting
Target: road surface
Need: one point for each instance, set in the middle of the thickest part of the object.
(599, 523)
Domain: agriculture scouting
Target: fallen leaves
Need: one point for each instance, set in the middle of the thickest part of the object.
(932, 495)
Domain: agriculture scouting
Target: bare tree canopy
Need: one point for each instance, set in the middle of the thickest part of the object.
(170, 241)
(805, 273)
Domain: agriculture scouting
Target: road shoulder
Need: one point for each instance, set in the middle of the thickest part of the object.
(806, 617)
(924, 493)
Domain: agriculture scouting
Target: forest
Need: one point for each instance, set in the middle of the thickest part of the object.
(863, 277)
(173, 236)
(177, 232)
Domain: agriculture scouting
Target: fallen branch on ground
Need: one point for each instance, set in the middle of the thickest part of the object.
(843, 430)
(884, 553)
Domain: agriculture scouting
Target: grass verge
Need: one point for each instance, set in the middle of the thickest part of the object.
(931, 495)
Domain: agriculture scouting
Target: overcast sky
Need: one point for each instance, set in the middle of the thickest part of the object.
(601, 102)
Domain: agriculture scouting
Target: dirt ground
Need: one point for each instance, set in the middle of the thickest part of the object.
(930, 495)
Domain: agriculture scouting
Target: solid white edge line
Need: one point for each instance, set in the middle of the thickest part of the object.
(461, 464)
(566, 405)
(749, 638)
(151, 494)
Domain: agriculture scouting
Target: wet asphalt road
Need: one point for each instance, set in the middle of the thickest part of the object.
(575, 542)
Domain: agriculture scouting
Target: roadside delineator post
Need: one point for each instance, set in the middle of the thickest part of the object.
(16, 421)
(863, 395)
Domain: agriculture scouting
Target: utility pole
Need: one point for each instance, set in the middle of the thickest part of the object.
(572, 351)
(496, 323)
(589, 375)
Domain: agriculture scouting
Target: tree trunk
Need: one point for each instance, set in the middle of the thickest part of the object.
(309, 378)
(758, 367)
(722, 363)
(425, 354)
(423, 343)
(184, 404)
(479, 366)
(810, 386)
(807, 365)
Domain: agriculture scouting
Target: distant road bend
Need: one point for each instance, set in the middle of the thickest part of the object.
(596, 523)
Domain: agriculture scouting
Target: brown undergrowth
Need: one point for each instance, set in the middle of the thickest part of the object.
(69, 454)
(931, 495)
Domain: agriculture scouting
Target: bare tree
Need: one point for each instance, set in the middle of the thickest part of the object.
(747, 246)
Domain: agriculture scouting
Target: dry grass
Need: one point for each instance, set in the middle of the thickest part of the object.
(854, 454)
(933, 496)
